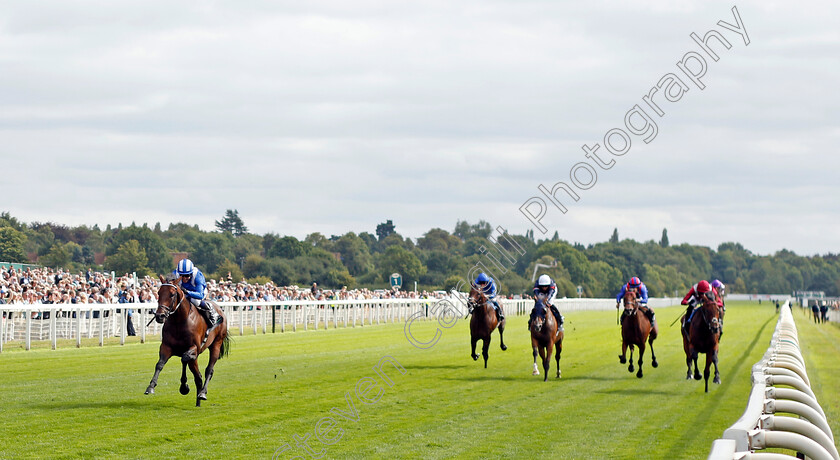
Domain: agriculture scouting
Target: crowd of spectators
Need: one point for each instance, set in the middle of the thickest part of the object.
(51, 286)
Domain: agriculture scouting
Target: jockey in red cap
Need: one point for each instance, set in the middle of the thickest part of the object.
(694, 297)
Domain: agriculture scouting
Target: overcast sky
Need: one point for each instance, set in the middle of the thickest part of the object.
(333, 116)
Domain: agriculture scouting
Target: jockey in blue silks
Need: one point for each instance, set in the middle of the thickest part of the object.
(546, 289)
(194, 286)
(642, 295)
(486, 285)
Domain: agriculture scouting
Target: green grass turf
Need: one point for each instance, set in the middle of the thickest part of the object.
(89, 402)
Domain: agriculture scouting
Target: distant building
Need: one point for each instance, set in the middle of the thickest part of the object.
(177, 256)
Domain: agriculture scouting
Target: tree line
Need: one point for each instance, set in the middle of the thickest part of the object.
(437, 260)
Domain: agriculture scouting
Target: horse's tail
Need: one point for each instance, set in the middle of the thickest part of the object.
(225, 350)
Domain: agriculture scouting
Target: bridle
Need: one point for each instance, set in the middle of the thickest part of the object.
(714, 324)
(631, 307)
(168, 311)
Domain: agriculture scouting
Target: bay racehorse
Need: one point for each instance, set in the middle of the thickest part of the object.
(635, 331)
(183, 335)
(483, 323)
(703, 336)
(546, 337)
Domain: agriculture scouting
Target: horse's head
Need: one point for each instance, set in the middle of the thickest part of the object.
(711, 311)
(477, 298)
(539, 316)
(630, 301)
(170, 298)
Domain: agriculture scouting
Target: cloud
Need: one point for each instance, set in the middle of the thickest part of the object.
(328, 116)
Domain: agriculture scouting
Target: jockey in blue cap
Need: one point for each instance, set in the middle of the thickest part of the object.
(642, 294)
(194, 285)
(546, 288)
(486, 285)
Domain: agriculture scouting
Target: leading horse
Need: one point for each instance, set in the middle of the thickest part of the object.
(703, 336)
(636, 329)
(183, 335)
(483, 323)
(545, 337)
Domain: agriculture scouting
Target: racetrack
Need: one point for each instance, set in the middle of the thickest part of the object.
(89, 402)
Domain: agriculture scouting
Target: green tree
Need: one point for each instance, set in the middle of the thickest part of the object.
(614, 237)
(129, 257)
(158, 258)
(232, 223)
(355, 254)
(254, 266)
(664, 240)
(211, 249)
(229, 267)
(384, 229)
(289, 247)
(397, 259)
(12, 243)
(58, 256)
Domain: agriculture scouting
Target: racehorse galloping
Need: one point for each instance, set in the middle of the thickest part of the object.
(183, 335)
(483, 323)
(703, 336)
(545, 333)
(635, 330)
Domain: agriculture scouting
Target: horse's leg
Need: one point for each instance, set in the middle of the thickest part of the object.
(641, 355)
(190, 355)
(486, 348)
(165, 354)
(621, 358)
(534, 348)
(652, 354)
(198, 384)
(715, 362)
(501, 335)
(694, 355)
(185, 388)
(630, 368)
(474, 339)
(558, 348)
(215, 352)
(709, 359)
(547, 360)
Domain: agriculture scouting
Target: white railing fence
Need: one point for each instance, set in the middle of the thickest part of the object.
(51, 322)
(760, 427)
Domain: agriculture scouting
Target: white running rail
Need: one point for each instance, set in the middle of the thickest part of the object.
(760, 427)
(51, 322)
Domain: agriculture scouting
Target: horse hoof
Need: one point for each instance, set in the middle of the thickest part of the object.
(631, 368)
(535, 373)
(202, 396)
(698, 377)
(504, 347)
(716, 380)
(639, 374)
(654, 364)
(150, 391)
(558, 374)
(622, 359)
(185, 389)
(475, 357)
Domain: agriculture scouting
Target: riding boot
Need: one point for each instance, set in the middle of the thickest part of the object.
(211, 316)
(499, 315)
